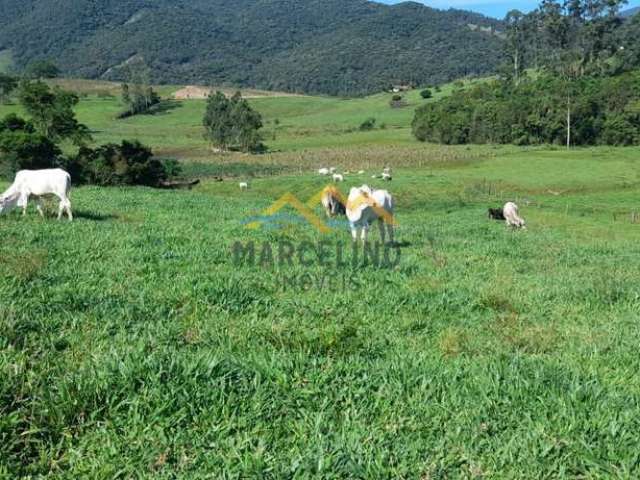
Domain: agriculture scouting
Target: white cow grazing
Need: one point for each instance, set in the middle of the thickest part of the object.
(332, 170)
(243, 185)
(510, 212)
(338, 178)
(323, 171)
(38, 183)
(386, 177)
(360, 172)
(365, 205)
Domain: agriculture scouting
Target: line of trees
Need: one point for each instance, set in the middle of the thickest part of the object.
(558, 59)
(137, 93)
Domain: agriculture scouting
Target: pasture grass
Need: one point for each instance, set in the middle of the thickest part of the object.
(291, 123)
(132, 346)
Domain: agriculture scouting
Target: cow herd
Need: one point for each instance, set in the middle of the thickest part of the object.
(365, 205)
(362, 207)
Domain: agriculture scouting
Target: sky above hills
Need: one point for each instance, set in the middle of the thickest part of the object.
(495, 8)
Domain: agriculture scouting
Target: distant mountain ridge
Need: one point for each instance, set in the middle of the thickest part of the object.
(337, 47)
(630, 12)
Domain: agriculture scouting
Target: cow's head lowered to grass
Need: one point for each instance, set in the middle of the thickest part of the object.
(333, 202)
(8, 202)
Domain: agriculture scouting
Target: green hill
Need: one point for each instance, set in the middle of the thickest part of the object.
(337, 47)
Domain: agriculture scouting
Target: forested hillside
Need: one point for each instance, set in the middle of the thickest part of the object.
(340, 47)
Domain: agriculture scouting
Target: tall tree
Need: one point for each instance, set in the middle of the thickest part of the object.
(137, 94)
(534, 47)
(560, 29)
(217, 121)
(515, 40)
(52, 112)
(580, 37)
(232, 123)
(246, 124)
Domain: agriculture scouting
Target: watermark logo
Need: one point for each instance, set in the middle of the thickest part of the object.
(312, 261)
(324, 253)
(273, 216)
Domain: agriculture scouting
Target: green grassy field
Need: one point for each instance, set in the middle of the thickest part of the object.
(291, 123)
(133, 346)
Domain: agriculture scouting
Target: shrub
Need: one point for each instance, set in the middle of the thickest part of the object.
(21, 147)
(129, 163)
(368, 124)
(426, 93)
(397, 101)
(172, 167)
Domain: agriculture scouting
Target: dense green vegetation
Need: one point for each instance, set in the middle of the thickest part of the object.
(131, 346)
(604, 111)
(139, 100)
(41, 69)
(22, 147)
(581, 87)
(338, 47)
(38, 142)
(129, 163)
(7, 85)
